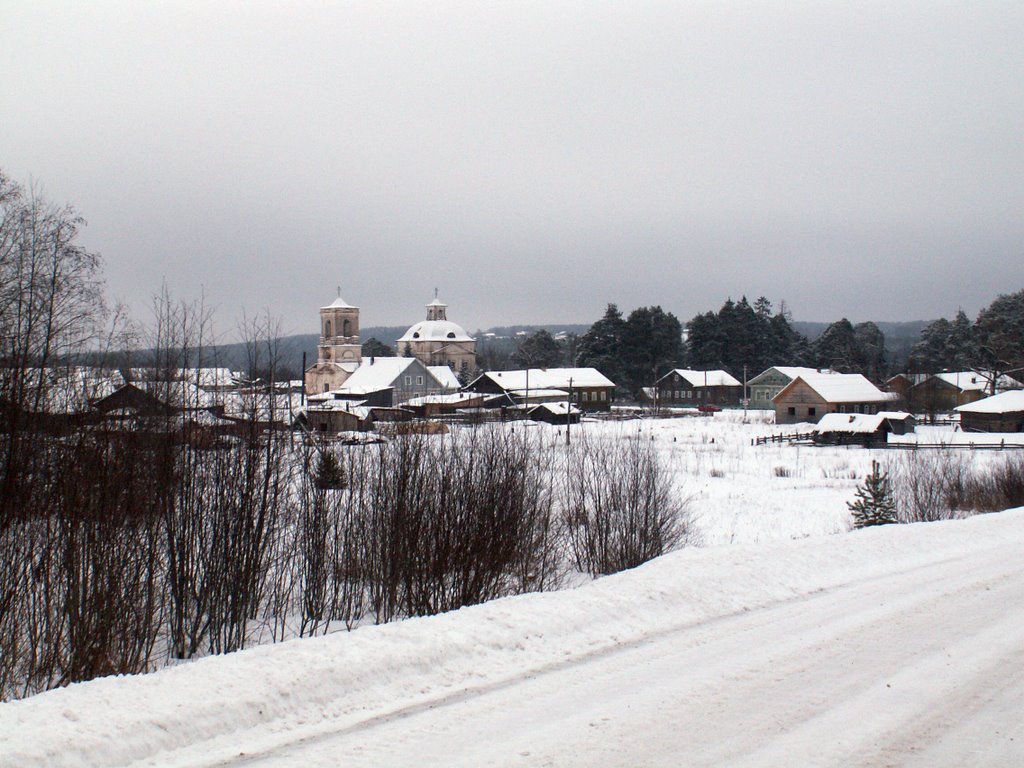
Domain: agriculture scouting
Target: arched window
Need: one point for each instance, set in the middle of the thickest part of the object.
(347, 328)
(327, 329)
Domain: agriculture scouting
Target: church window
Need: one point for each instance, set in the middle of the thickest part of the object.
(451, 334)
(327, 329)
(347, 328)
(416, 335)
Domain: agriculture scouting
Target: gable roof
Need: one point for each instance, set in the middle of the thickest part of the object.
(1011, 401)
(789, 371)
(378, 373)
(546, 378)
(857, 422)
(840, 388)
(698, 379)
(445, 376)
(972, 381)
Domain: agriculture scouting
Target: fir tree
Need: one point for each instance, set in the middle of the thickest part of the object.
(874, 504)
(328, 473)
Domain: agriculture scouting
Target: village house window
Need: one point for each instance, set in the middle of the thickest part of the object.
(604, 395)
(408, 381)
(791, 410)
(689, 394)
(812, 411)
(842, 409)
(419, 379)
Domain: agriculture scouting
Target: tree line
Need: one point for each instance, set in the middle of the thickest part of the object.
(635, 350)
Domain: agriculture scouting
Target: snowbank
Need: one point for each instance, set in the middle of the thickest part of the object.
(305, 687)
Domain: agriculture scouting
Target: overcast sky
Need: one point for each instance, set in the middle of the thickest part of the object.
(532, 160)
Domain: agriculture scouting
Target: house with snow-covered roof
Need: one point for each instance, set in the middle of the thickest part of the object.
(389, 381)
(811, 395)
(590, 389)
(766, 385)
(1000, 413)
(683, 386)
(945, 391)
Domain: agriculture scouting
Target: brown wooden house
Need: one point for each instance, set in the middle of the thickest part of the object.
(695, 388)
(809, 397)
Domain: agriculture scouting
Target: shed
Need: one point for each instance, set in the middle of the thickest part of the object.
(862, 429)
(555, 413)
(1000, 413)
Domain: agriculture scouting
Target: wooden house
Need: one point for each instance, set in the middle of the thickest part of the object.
(696, 388)
(944, 392)
(809, 397)
(1000, 413)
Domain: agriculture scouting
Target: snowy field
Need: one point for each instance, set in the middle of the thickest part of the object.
(744, 493)
(759, 627)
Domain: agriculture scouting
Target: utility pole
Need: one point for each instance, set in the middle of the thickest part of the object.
(568, 415)
(745, 393)
(526, 401)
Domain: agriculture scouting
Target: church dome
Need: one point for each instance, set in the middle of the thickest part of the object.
(436, 330)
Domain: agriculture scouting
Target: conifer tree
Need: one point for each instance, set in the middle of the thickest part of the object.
(328, 473)
(874, 504)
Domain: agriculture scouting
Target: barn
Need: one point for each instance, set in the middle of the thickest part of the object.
(1000, 413)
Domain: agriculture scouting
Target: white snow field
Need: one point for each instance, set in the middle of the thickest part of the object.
(899, 645)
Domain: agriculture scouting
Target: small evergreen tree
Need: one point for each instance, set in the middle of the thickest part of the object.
(874, 504)
(328, 473)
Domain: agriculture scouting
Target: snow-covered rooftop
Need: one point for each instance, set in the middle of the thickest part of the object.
(448, 398)
(791, 371)
(1005, 402)
(857, 422)
(973, 381)
(339, 303)
(445, 376)
(376, 374)
(549, 378)
(698, 379)
(558, 408)
(845, 388)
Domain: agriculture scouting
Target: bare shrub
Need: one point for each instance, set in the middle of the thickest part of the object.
(782, 472)
(621, 505)
(994, 488)
(928, 485)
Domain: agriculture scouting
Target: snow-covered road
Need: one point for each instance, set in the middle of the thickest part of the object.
(924, 667)
(894, 646)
